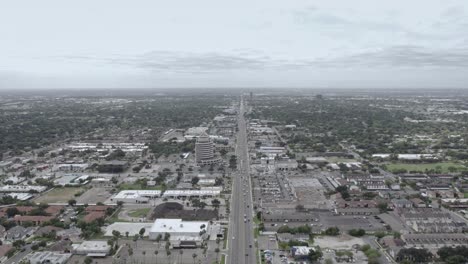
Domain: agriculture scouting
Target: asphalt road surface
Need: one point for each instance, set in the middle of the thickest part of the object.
(241, 243)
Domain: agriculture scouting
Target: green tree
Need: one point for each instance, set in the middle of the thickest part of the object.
(88, 260)
(195, 180)
(72, 202)
(315, 254)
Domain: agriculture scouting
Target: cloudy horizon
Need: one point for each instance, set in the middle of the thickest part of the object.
(154, 44)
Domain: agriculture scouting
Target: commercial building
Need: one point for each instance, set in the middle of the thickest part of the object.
(72, 180)
(92, 248)
(133, 148)
(41, 257)
(74, 167)
(22, 188)
(132, 228)
(272, 150)
(204, 151)
(114, 166)
(136, 196)
(182, 233)
(191, 193)
(300, 252)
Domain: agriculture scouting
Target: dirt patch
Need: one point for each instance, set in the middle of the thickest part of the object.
(338, 242)
(176, 210)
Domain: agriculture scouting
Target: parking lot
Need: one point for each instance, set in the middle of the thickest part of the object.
(348, 222)
(93, 196)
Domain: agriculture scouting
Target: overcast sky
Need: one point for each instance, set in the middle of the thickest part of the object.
(254, 43)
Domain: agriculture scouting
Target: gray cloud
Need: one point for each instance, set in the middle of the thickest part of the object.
(403, 56)
(183, 62)
(398, 56)
(310, 17)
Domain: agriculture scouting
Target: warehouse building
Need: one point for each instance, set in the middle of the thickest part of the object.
(182, 233)
(136, 196)
(92, 248)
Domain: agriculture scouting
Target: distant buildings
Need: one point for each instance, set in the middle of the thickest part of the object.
(129, 148)
(114, 166)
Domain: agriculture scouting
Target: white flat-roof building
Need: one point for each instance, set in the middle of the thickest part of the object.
(178, 229)
(92, 248)
(41, 257)
(272, 150)
(72, 167)
(21, 196)
(22, 188)
(206, 182)
(72, 180)
(136, 196)
(191, 193)
(416, 156)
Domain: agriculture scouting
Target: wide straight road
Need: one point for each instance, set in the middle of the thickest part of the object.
(241, 232)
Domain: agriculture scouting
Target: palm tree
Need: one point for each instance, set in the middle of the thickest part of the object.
(181, 252)
(217, 253)
(130, 252)
(158, 239)
(168, 253)
(144, 256)
(156, 256)
(194, 256)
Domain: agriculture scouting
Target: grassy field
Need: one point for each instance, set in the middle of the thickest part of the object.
(142, 212)
(115, 217)
(59, 195)
(422, 167)
(256, 220)
(225, 238)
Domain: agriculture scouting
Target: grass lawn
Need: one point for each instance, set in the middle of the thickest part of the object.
(136, 186)
(59, 195)
(115, 217)
(423, 166)
(256, 232)
(256, 220)
(225, 238)
(223, 259)
(142, 212)
(465, 195)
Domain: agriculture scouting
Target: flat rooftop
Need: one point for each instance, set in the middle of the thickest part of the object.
(162, 225)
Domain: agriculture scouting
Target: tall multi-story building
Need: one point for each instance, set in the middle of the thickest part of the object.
(204, 148)
(204, 151)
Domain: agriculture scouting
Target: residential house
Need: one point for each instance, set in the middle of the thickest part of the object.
(18, 232)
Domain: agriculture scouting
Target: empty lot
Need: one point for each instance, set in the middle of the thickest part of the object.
(59, 195)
